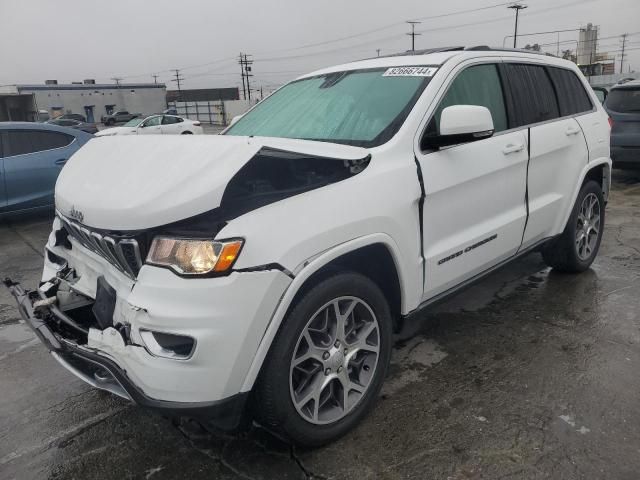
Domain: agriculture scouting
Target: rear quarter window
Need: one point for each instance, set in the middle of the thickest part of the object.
(624, 100)
(530, 95)
(572, 97)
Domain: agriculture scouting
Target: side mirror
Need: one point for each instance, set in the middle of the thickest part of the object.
(235, 119)
(462, 124)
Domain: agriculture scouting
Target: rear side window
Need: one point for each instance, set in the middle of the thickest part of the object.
(530, 95)
(572, 97)
(624, 100)
(31, 141)
(168, 120)
(477, 85)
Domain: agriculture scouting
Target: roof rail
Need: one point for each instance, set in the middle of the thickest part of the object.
(425, 51)
(485, 48)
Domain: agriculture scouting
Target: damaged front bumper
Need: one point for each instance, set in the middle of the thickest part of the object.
(104, 373)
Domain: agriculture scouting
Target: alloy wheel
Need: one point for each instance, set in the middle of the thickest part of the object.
(588, 227)
(335, 360)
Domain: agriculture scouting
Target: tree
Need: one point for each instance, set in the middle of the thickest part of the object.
(569, 55)
(535, 47)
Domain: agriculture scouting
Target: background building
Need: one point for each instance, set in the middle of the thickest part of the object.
(216, 106)
(30, 102)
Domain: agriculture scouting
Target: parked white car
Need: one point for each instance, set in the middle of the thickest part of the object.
(155, 125)
(263, 271)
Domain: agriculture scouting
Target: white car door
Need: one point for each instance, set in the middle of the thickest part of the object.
(151, 126)
(474, 210)
(172, 125)
(557, 146)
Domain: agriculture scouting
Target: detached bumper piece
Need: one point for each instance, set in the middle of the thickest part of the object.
(103, 373)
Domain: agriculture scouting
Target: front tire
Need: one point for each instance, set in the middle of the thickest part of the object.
(576, 248)
(328, 362)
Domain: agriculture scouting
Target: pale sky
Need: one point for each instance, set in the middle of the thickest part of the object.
(70, 40)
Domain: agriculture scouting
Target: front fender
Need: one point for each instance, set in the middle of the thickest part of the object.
(302, 274)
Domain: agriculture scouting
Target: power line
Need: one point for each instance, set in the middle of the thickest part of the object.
(388, 26)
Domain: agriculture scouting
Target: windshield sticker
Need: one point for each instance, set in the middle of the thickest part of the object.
(410, 72)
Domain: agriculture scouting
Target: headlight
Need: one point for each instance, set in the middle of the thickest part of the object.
(194, 257)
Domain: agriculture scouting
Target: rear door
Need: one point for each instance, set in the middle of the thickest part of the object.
(172, 125)
(32, 161)
(474, 211)
(557, 146)
(623, 106)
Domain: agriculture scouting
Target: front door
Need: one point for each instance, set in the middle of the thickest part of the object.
(474, 210)
(151, 126)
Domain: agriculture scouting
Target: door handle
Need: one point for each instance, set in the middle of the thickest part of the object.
(572, 131)
(513, 148)
(61, 161)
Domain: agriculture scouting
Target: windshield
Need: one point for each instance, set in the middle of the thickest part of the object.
(361, 107)
(624, 100)
(133, 122)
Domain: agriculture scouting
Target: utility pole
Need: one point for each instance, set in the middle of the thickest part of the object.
(247, 69)
(413, 33)
(155, 78)
(242, 72)
(517, 7)
(178, 78)
(378, 51)
(624, 44)
(117, 80)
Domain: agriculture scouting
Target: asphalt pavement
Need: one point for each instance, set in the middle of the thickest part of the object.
(529, 374)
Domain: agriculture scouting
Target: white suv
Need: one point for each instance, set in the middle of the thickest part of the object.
(263, 271)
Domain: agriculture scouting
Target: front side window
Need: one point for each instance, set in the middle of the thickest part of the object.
(152, 122)
(530, 95)
(360, 107)
(478, 85)
(624, 100)
(31, 141)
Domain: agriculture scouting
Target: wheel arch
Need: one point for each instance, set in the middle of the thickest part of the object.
(349, 256)
(598, 170)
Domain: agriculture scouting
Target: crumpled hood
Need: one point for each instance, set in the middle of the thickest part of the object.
(135, 182)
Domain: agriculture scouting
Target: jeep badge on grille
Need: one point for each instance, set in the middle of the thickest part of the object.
(76, 214)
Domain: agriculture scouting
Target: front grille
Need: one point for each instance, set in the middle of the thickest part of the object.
(121, 252)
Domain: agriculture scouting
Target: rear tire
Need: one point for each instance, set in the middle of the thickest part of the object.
(186, 133)
(576, 248)
(324, 371)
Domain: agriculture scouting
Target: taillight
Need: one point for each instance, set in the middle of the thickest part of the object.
(611, 123)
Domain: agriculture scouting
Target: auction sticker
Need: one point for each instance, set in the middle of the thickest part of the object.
(410, 72)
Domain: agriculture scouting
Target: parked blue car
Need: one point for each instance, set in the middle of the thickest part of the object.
(31, 157)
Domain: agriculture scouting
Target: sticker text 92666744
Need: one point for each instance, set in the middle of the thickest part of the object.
(410, 72)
